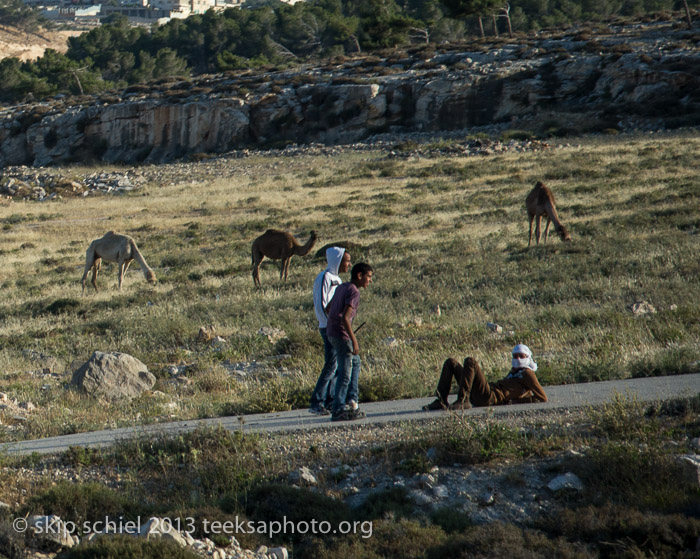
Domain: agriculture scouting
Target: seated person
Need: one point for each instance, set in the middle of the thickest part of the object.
(519, 387)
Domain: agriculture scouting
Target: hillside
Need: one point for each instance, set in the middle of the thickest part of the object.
(608, 79)
(17, 43)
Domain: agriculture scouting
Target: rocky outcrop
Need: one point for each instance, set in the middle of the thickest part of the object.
(641, 76)
(113, 376)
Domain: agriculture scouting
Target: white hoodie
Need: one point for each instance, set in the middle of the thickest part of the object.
(325, 284)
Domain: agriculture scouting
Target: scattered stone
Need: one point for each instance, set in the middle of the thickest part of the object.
(691, 469)
(565, 481)
(274, 335)
(303, 476)
(391, 342)
(162, 528)
(50, 532)
(206, 333)
(641, 308)
(494, 327)
(487, 498)
(278, 553)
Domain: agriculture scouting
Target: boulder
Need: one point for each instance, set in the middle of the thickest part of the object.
(113, 376)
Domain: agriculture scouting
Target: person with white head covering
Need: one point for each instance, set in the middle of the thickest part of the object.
(324, 288)
(519, 387)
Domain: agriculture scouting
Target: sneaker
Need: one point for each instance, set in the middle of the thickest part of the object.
(353, 405)
(437, 404)
(319, 410)
(348, 415)
(460, 405)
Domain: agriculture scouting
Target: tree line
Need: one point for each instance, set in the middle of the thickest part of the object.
(117, 54)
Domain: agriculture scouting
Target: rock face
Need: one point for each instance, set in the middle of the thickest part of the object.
(644, 76)
(113, 376)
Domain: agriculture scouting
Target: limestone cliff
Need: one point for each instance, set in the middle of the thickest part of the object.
(641, 76)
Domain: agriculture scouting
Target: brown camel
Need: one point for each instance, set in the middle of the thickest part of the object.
(114, 247)
(540, 202)
(278, 245)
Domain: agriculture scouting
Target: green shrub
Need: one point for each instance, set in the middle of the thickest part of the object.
(671, 361)
(497, 540)
(284, 503)
(82, 502)
(520, 135)
(451, 520)
(637, 533)
(638, 475)
(394, 502)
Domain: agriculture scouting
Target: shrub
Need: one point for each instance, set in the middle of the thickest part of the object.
(79, 503)
(284, 503)
(639, 534)
(394, 502)
(636, 475)
(498, 540)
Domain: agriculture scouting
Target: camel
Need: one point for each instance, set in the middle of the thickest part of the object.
(278, 245)
(114, 247)
(540, 202)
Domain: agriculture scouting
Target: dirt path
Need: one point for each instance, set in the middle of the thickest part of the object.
(570, 396)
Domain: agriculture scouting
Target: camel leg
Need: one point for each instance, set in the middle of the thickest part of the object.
(121, 266)
(538, 221)
(256, 272)
(546, 230)
(85, 275)
(285, 268)
(529, 240)
(95, 269)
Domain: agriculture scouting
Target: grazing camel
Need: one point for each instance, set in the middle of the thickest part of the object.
(540, 202)
(278, 245)
(114, 247)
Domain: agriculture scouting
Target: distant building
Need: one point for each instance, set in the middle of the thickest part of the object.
(71, 12)
(139, 14)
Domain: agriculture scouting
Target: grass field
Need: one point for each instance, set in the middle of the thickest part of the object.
(439, 231)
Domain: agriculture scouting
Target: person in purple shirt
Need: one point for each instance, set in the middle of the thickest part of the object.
(341, 311)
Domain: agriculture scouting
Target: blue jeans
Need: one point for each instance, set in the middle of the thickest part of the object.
(325, 386)
(347, 376)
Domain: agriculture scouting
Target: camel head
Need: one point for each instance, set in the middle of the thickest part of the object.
(564, 234)
(151, 277)
(539, 184)
(311, 242)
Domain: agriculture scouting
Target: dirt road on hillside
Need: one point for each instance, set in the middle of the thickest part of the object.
(17, 43)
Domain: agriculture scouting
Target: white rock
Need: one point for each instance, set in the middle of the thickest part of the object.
(303, 476)
(565, 481)
(278, 553)
(160, 528)
(494, 327)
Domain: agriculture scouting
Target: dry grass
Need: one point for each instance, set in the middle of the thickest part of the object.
(438, 231)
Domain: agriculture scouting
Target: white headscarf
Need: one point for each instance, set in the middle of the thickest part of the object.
(528, 362)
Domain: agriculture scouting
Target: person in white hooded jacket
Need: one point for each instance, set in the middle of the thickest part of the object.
(519, 387)
(324, 287)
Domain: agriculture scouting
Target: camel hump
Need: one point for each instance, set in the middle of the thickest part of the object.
(544, 195)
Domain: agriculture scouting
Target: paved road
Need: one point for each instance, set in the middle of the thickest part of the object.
(560, 397)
